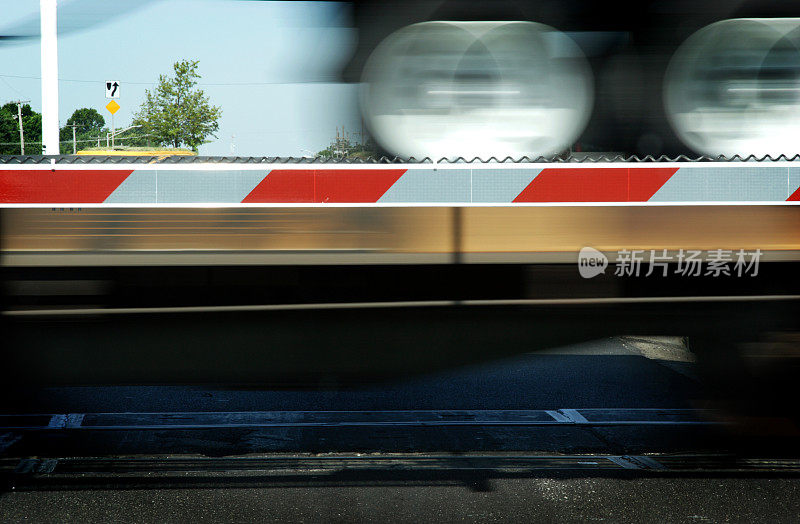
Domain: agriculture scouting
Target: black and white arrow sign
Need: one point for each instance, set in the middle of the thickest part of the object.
(112, 89)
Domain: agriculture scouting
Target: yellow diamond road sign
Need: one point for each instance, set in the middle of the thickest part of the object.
(112, 106)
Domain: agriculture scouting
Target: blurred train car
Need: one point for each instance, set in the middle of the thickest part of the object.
(644, 78)
(287, 273)
(222, 288)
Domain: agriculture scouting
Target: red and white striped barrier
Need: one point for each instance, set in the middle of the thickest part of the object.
(407, 184)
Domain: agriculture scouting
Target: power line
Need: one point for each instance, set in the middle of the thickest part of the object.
(93, 140)
(70, 80)
(205, 84)
(17, 91)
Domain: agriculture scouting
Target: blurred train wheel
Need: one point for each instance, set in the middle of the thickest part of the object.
(734, 88)
(467, 89)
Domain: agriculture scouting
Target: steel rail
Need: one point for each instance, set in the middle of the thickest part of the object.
(343, 419)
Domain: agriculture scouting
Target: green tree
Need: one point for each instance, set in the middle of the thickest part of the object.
(89, 125)
(176, 112)
(9, 130)
(88, 120)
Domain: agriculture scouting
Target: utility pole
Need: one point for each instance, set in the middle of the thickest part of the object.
(21, 131)
(19, 119)
(74, 141)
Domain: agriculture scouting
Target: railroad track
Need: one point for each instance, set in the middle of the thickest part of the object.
(467, 431)
(334, 419)
(42, 467)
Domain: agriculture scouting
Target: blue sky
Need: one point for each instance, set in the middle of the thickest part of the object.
(271, 66)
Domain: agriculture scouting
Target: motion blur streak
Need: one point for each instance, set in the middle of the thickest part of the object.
(734, 88)
(449, 89)
(385, 235)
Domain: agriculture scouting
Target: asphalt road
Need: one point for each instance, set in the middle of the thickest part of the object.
(517, 500)
(614, 372)
(608, 373)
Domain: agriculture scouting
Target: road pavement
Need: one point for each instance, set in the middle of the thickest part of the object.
(619, 372)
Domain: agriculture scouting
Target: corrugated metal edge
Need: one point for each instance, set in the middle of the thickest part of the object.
(110, 159)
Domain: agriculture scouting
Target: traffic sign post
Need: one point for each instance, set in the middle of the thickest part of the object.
(112, 107)
(112, 92)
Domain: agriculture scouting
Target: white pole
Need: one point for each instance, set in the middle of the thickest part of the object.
(49, 44)
(21, 132)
